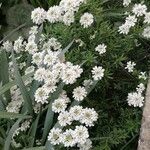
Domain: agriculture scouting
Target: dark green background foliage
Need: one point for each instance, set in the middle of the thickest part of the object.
(118, 125)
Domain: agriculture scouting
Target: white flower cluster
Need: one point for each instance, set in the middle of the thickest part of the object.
(23, 127)
(130, 22)
(64, 12)
(79, 136)
(86, 20)
(50, 70)
(70, 138)
(138, 10)
(135, 98)
(130, 66)
(16, 101)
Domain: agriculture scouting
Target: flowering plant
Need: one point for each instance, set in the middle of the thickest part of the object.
(49, 91)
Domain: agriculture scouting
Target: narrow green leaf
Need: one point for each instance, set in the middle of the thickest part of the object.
(67, 48)
(22, 87)
(4, 73)
(35, 148)
(2, 105)
(50, 114)
(9, 115)
(33, 130)
(7, 86)
(10, 134)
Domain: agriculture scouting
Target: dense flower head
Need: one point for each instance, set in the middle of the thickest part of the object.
(97, 72)
(101, 49)
(65, 118)
(59, 105)
(86, 20)
(38, 15)
(54, 136)
(136, 99)
(54, 14)
(67, 138)
(79, 93)
(139, 9)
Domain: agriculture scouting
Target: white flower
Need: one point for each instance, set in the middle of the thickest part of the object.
(142, 75)
(71, 5)
(18, 45)
(49, 87)
(140, 88)
(33, 30)
(88, 117)
(124, 29)
(76, 112)
(65, 118)
(51, 77)
(135, 99)
(67, 138)
(79, 93)
(139, 9)
(37, 58)
(98, 72)
(51, 58)
(130, 66)
(146, 32)
(38, 15)
(101, 49)
(31, 47)
(25, 125)
(86, 146)
(22, 65)
(54, 14)
(7, 46)
(81, 134)
(52, 44)
(147, 18)
(59, 105)
(54, 136)
(41, 96)
(131, 20)
(68, 18)
(86, 20)
(40, 74)
(126, 2)
(70, 73)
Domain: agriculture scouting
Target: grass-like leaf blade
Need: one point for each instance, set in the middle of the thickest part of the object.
(9, 115)
(22, 87)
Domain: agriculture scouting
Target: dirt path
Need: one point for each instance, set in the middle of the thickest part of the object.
(144, 140)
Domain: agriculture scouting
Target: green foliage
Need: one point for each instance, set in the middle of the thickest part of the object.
(118, 125)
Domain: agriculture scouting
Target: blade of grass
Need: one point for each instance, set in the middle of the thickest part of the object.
(34, 129)
(50, 114)
(4, 114)
(10, 134)
(22, 87)
(12, 32)
(7, 86)
(4, 74)
(35, 148)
